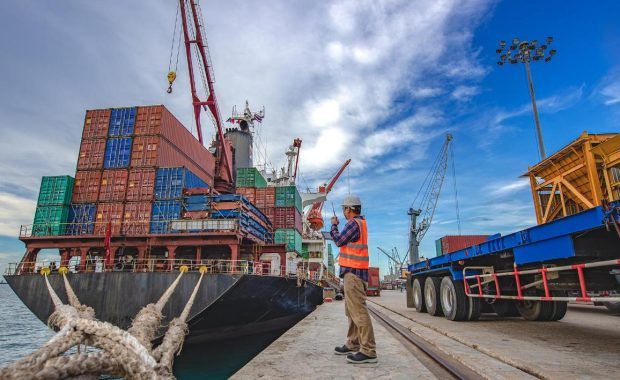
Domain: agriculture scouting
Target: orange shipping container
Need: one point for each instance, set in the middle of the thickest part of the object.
(106, 213)
(86, 186)
(136, 218)
(141, 184)
(453, 243)
(91, 154)
(113, 185)
(96, 124)
(266, 197)
(248, 192)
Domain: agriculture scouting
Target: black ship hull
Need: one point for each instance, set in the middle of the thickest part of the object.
(226, 306)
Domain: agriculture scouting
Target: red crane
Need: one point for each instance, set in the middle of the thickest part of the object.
(315, 218)
(193, 33)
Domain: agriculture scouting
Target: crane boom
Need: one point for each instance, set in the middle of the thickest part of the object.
(314, 217)
(223, 170)
(426, 209)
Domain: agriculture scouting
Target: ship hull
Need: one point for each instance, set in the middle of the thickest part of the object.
(226, 305)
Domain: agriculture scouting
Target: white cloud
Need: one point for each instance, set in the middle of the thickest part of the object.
(611, 91)
(14, 212)
(464, 93)
(506, 188)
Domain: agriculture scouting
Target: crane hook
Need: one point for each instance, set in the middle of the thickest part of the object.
(171, 77)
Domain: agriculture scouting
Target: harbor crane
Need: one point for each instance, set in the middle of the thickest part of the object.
(195, 38)
(425, 210)
(395, 258)
(314, 216)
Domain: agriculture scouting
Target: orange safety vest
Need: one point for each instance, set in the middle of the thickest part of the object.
(355, 254)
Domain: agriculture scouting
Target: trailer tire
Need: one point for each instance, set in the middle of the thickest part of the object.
(418, 296)
(559, 310)
(536, 310)
(505, 308)
(475, 308)
(613, 307)
(431, 296)
(454, 302)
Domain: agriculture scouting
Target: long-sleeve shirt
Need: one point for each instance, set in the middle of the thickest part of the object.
(350, 232)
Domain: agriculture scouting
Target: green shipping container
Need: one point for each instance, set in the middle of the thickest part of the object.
(290, 237)
(288, 196)
(438, 247)
(50, 220)
(250, 177)
(55, 191)
(304, 251)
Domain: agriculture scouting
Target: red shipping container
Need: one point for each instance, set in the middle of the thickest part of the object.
(287, 217)
(96, 124)
(249, 193)
(374, 282)
(176, 146)
(113, 185)
(106, 213)
(266, 197)
(157, 151)
(137, 218)
(452, 243)
(86, 186)
(270, 213)
(141, 184)
(91, 154)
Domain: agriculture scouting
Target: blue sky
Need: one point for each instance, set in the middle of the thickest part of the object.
(379, 82)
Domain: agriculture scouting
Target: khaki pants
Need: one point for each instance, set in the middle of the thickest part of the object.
(360, 335)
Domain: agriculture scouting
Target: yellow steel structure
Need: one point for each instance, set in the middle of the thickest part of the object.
(609, 153)
(577, 177)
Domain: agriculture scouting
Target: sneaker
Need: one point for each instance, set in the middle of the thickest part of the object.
(358, 358)
(343, 350)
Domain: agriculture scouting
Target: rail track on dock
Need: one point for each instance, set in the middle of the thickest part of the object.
(441, 362)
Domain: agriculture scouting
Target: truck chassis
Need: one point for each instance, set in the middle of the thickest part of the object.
(533, 273)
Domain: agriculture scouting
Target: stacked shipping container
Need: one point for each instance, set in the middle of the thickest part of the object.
(281, 205)
(52, 210)
(121, 153)
(452, 243)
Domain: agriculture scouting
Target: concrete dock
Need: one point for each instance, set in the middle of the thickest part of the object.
(307, 351)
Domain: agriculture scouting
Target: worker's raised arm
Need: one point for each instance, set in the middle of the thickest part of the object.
(350, 232)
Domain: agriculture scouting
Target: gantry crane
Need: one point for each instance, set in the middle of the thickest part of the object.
(395, 259)
(195, 37)
(425, 211)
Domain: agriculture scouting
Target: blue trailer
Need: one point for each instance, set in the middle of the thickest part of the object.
(534, 272)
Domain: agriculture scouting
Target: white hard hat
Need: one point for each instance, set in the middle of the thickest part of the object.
(352, 200)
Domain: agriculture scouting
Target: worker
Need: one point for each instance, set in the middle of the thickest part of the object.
(353, 261)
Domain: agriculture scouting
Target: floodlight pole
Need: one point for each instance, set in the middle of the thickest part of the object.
(541, 145)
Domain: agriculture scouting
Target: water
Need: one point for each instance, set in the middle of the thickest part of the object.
(21, 333)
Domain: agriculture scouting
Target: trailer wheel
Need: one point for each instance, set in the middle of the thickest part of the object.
(454, 302)
(613, 307)
(505, 308)
(536, 310)
(418, 297)
(431, 296)
(559, 310)
(475, 308)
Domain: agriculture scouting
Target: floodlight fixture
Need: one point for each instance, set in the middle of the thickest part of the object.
(526, 52)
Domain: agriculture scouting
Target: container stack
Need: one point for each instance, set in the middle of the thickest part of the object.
(281, 205)
(52, 211)
(123, 153)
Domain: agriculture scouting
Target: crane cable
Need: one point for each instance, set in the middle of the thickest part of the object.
(172, 74)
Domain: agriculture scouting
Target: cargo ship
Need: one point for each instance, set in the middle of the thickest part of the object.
(148, 198)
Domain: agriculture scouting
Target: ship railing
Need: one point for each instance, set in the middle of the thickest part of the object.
(212, 266)
(134, 228)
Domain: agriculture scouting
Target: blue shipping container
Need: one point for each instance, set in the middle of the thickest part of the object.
(122, 122)
(162, 213)
(170, 182)
(81, 218)
(117, 153)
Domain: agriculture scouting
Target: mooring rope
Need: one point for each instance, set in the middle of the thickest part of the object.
(122, 353)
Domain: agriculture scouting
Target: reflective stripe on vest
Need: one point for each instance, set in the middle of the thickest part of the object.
(355, 253)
